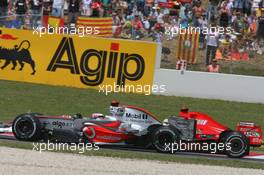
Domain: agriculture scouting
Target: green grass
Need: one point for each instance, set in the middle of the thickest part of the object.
(17, 98)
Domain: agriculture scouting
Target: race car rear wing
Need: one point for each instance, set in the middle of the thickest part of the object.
(252, 131)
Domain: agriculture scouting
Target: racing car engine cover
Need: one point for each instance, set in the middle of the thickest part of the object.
(185, 127)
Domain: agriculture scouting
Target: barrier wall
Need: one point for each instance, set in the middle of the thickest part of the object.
(71, 60)
(211, 85)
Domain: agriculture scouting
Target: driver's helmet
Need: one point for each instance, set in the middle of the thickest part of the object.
(116, 111)
(184, 109)
(184, 112)
(97, 116)
(114, 103)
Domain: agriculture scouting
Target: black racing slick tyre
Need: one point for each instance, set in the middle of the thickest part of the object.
(236, 144)
(26, 127)
(163, 138)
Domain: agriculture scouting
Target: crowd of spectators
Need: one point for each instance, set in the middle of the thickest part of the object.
(136, 19)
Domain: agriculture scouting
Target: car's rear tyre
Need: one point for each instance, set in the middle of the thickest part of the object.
(236, 144)
(163, 139)
(26, 127)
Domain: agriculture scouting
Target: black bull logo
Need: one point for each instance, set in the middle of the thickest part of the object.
(20, 54)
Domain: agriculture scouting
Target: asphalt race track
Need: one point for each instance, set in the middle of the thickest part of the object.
(19, 161)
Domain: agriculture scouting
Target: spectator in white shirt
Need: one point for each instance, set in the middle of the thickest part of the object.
(146, 23)
(160, 16)
(212, 44)
(86, 7)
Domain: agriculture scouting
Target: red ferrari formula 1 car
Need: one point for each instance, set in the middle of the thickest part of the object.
(133, 126)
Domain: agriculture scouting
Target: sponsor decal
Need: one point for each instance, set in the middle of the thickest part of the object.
(61, 124)
(19, 54)
(7, 37)
(95, 76)
(252, 134)
(137, 116)
(72, 61)
(108, 137)
(201, 122)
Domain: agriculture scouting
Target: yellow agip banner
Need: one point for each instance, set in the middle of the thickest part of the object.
(71, 60)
